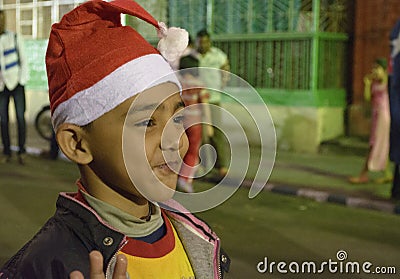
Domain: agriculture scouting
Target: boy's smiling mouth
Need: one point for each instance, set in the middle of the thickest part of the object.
(168, 167)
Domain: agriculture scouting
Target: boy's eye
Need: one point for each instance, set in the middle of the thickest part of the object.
(145, 123)
(179, 119)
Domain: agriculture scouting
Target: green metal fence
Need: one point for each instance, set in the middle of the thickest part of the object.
(269, 62)
(332, 67)
(259, 16)
(277, 44)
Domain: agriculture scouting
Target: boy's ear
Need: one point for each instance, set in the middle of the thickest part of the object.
(72, 142)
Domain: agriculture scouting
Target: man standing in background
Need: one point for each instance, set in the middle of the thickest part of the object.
(13, 76)
(212, 57)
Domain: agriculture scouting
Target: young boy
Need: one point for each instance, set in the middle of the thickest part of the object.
(97, 70)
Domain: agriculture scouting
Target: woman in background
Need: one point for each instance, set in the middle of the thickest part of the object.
(376, 91)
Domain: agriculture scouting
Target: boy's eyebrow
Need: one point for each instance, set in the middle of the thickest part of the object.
(154, 106)
(143, 108)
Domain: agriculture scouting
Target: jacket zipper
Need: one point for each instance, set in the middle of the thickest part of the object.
(218, 259)
(123, 242)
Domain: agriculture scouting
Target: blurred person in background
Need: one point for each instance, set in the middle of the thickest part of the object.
(376, 92)
(193, 94)
(213, 57)
(13, 76)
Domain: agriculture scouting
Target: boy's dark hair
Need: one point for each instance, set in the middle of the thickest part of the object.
(203, 33)
(87, 127)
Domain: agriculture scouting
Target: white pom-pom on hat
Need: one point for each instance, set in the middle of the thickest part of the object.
(173, 41)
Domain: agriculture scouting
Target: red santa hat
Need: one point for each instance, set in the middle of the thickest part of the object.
(94, 63)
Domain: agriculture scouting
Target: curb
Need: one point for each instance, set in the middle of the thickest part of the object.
(323, 196)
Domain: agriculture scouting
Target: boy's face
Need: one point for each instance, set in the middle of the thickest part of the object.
(135, 145)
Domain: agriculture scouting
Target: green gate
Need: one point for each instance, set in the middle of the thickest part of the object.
(294, 52)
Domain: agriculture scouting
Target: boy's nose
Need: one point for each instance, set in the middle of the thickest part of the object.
(169, 144)
(171, 137)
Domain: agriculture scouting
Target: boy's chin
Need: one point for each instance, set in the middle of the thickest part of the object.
(163, 191)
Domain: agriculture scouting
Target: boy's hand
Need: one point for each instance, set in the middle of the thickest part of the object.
(96, 267)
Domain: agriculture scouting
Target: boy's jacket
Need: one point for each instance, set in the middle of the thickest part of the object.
(65, 241)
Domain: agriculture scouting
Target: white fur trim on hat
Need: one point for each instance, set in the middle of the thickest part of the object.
(126, 81)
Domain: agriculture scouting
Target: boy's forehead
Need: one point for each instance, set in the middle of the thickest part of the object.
(155, 98)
